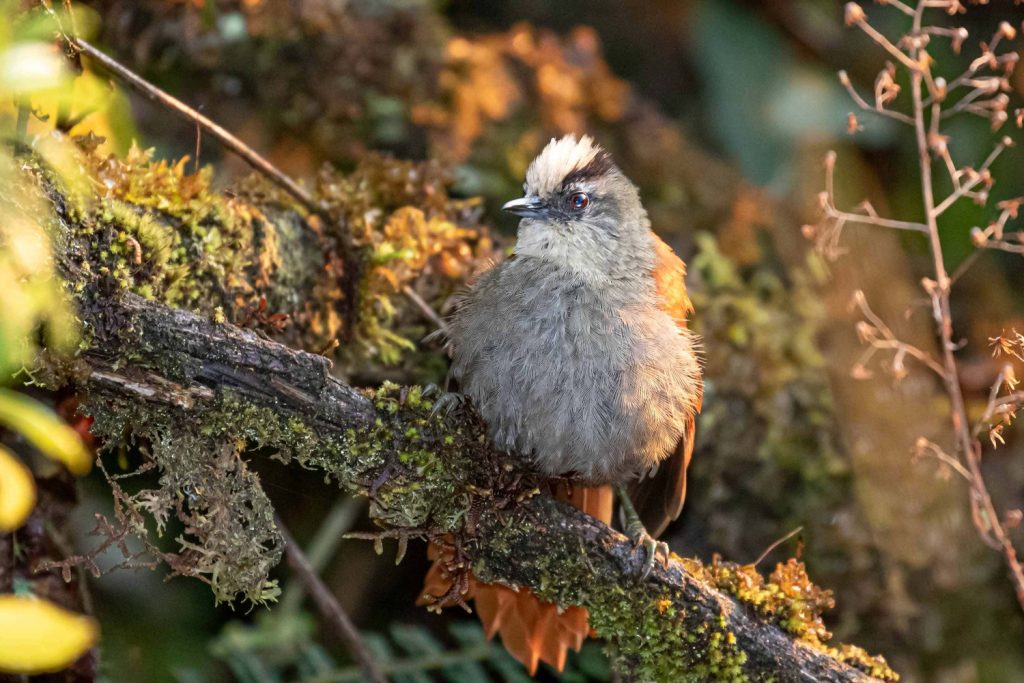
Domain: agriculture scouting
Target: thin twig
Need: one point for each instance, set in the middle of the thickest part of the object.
(429, 312)
(775, 544)
(329, 607)
(925, 447)
(844, 79)
(253, 158)
(999, 404)
(877, 221)
(229, 140)
(985, 515)
(927, 112)
(963, 267)
(907, 61)
(321, 548)
(976, 178)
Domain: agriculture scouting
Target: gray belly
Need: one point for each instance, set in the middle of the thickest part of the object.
(563, 375)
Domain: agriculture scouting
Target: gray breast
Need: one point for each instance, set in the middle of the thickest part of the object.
(570, 377)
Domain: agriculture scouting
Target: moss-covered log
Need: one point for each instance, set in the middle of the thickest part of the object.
(164, 373)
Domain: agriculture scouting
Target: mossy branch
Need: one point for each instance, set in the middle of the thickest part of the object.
(199, 393)
(155, 371)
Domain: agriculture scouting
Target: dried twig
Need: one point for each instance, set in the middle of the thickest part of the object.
(425, 308)
(926, 113)
(331, 611)
(144, 87)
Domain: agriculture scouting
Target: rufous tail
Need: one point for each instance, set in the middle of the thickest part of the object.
(532, 630)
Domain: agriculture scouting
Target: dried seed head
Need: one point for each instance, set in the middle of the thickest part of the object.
(852, 125)
(853, 14)
(1013, 519)
(1010, 206)
(938, 143)
(866, 332)
(989, 85)
(978, 238)
(899, 367)
(999, 117)
(859, 371)
(959, 36)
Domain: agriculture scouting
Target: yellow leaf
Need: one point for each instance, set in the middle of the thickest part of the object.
(45, 430)
(17, 492)
(36, 636)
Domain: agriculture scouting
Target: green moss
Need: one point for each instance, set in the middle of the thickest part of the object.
(421, 491)
(228, 537)
(646, 633)
(256, 258)
(789, 599)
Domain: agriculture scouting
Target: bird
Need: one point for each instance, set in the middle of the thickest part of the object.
(575, 351)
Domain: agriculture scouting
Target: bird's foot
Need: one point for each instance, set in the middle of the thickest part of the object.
(447, 402)
(654, 550)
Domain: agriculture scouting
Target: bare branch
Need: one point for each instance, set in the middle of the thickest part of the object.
(981, 176)
(889, 342)
(186, 112)
(987, 100)
(886, 44)
(925, 448)
(844, 79)
(329, 607)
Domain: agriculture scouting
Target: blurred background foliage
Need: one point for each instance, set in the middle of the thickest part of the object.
(721, 111)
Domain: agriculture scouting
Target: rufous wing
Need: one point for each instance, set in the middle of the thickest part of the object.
(659, 497)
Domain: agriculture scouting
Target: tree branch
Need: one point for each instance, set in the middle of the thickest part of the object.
(229, 381)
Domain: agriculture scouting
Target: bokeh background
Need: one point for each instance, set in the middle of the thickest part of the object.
(722, 111)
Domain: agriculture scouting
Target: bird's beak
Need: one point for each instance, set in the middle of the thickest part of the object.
(527, 207)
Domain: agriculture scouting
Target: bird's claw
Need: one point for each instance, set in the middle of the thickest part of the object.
(654, 550)
(447, 403)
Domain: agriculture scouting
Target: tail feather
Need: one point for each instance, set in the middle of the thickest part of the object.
(531, 630)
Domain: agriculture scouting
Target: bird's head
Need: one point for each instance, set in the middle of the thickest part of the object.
(580, 211)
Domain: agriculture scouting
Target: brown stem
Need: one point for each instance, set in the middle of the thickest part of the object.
(328, 605)
(230, 141)
(980, 498)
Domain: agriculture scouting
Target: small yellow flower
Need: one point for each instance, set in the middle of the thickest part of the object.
(38, 637)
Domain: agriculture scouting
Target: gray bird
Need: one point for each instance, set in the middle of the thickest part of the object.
(575, 349)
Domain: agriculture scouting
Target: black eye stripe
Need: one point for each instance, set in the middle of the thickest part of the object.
(600, 165)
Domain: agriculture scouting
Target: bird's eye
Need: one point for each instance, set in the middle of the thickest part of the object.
(579, 201)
